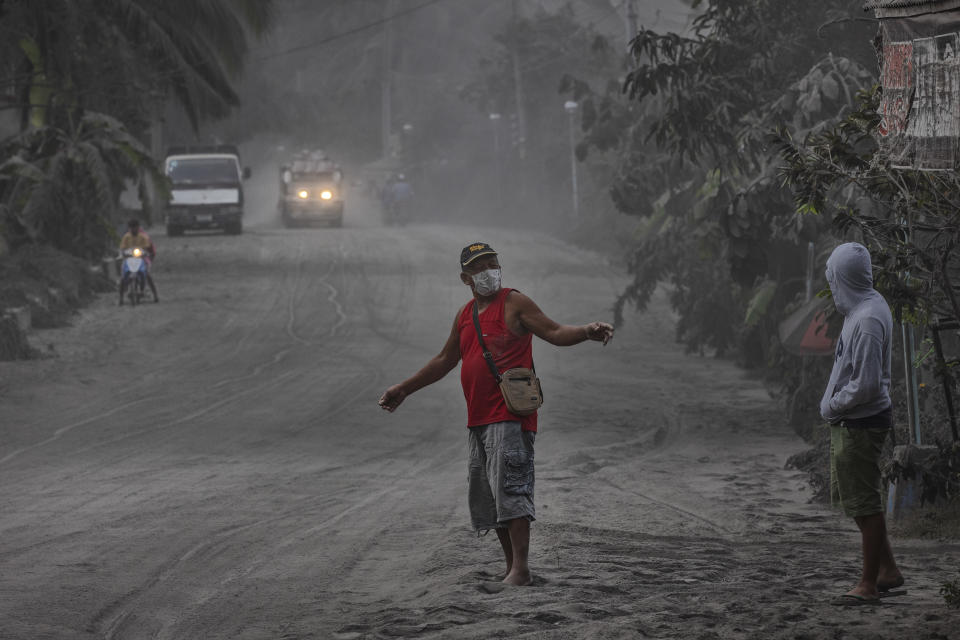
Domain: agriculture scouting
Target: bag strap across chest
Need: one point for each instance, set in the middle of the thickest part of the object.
(483, 347)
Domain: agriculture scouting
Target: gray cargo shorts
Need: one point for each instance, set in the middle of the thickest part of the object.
(500, 478)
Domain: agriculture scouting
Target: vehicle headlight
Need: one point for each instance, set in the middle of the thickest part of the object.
(303, 194)
(137, 253)
(326, 195)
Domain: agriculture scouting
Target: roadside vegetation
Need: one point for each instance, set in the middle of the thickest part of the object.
(746, 145)
(84, 80)
(951, 593)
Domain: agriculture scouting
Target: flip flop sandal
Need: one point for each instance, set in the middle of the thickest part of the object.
(853, 600)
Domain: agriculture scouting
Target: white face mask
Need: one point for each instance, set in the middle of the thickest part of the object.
(487, 282)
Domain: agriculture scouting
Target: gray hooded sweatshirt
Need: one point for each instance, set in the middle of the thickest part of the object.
(859, 384)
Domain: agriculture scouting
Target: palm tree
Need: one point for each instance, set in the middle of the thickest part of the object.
(82, 74)
(60, 187)
(62, 54)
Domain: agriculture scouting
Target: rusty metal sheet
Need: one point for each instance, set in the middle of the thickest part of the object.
(920, 108)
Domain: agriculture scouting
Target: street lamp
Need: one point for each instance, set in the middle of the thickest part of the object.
(495, 121)
(571, 108)
(406, 143)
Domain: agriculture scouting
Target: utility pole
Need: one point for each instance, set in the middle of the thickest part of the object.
(910, 372)
(518, 85)
(571, 108)
(386, 83)
(498, 170)
(909, 357)
(631, 21)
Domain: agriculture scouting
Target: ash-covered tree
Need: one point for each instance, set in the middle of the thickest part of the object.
(908, 218)
(698, 167)
(121, 56)
(85, 77)
(909, 221)
(526, 78)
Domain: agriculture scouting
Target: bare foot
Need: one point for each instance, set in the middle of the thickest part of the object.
(519, 578)
(886, 583)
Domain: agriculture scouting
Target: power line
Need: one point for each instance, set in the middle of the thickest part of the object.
(363, 27)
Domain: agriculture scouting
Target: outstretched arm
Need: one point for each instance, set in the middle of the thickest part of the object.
(438, 366)
(562, 335)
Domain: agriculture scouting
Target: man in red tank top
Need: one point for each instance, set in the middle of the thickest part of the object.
(501, 474)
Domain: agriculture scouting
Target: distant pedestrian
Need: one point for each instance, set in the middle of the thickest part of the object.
(857, 405)
(501, 473)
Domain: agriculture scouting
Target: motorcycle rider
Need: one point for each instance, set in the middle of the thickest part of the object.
(396, 196)
(137, 238)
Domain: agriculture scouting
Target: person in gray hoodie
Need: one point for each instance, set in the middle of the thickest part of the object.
(857, 405)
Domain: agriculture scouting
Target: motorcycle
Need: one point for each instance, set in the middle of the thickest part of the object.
(397, 203)
(133, 275)
(397, 212)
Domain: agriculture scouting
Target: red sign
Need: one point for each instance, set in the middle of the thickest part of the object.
(897, 78)
(920, 108)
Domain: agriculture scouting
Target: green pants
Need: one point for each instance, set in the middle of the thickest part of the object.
(855, 469)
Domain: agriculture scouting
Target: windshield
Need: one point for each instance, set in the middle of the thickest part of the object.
(203, 171)
(316, 178)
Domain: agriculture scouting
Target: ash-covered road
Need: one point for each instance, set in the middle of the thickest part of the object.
(216, 466)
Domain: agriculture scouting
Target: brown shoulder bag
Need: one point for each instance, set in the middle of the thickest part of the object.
(520, 387)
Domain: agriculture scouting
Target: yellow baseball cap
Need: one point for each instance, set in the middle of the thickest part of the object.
(473, 251)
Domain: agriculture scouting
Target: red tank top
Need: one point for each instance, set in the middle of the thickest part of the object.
(485, 404)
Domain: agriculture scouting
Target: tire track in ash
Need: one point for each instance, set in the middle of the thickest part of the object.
(142, 389)
(391, 504)
(375, 462)
(294, 293)
(333, 339)
(67, 428)
(651, 442)
(394, 330)
(266, 312)
(372, 374)
(332, 296)
(369, 379)
(716, 526)
(293, 297)
(109, 620)
(329, 332)
(301, 288)
(129, 407)
(202, 411)
(273, 297)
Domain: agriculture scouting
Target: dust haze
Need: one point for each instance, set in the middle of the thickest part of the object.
(216, 466)
(433, 93)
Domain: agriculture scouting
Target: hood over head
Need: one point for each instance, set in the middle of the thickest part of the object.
(850, 276)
